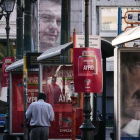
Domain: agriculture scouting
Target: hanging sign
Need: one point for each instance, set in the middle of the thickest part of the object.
(87, 70)
(132, 17)
(5, 75)
(94, 41)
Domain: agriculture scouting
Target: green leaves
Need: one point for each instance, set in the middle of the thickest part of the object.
(3, 51)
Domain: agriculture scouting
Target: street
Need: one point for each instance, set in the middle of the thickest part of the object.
(1, 136)
(108, 130)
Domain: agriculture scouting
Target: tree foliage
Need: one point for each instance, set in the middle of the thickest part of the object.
(3, 51)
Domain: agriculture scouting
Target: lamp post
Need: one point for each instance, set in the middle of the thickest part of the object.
(73, 102)
(87, 126)
(7, 7)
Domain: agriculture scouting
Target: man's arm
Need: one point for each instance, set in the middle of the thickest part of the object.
(29, 111)
(51, 113)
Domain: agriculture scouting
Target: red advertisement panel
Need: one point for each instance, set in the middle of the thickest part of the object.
(17, 98)
(56, 84)
(5, 75)
(87, 70)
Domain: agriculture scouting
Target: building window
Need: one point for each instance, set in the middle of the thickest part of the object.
(109, 18)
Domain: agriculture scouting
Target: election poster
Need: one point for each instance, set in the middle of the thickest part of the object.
(5, 75)
(56, 82)
(57, 86)
(17, 104)
(127, 93)
(46, 24)
(87, 69)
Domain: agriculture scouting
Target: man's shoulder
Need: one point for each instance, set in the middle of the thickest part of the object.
(36, 103)
(47, 104)
(33, 103)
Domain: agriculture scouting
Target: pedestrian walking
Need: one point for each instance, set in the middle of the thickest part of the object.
(40, 114)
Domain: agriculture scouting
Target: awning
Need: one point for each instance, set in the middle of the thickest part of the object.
(14, 65)
(55, 51)
(106, 48)
(127, 36)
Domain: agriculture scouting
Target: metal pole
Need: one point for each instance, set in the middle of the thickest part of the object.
(86, 23)
(104, 99)
(27, 48)
(6, 131)
(7, 111)
(7, 28)
(87, 126)
(25, 96)
(19, 35)
(65, 23)
(40, 77)
(65, 26)
(27, 26)
(119, 20)
(95, 106)
(74, 102)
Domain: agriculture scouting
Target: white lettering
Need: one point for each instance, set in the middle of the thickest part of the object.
(88, 67)
(63, 98)
(65, 130)
(88, 61)
(31, 99)
(8, 61)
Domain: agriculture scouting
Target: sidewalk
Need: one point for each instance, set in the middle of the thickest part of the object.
(108, 130)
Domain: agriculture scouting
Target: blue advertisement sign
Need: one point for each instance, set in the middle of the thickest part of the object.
(2, 119)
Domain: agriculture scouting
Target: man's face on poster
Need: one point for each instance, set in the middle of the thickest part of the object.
(50, 24)
(130, 87)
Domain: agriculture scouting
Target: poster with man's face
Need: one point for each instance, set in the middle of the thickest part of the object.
(56, 84)
(48, 22)
(129, 95)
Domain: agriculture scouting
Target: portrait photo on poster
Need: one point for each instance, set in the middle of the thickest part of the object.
(49, 24)
(57, 84)
(129, 94)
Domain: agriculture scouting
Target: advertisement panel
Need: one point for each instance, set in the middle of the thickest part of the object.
(46, 24)
(57, 86)
(127, 93)
(87, 68)
(3, 88)
(5, 75)
(17, 98)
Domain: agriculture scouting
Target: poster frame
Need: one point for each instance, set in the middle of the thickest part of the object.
(10, 98)
(117, 88)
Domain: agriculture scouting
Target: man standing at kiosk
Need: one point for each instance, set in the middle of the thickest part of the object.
(40, 114)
